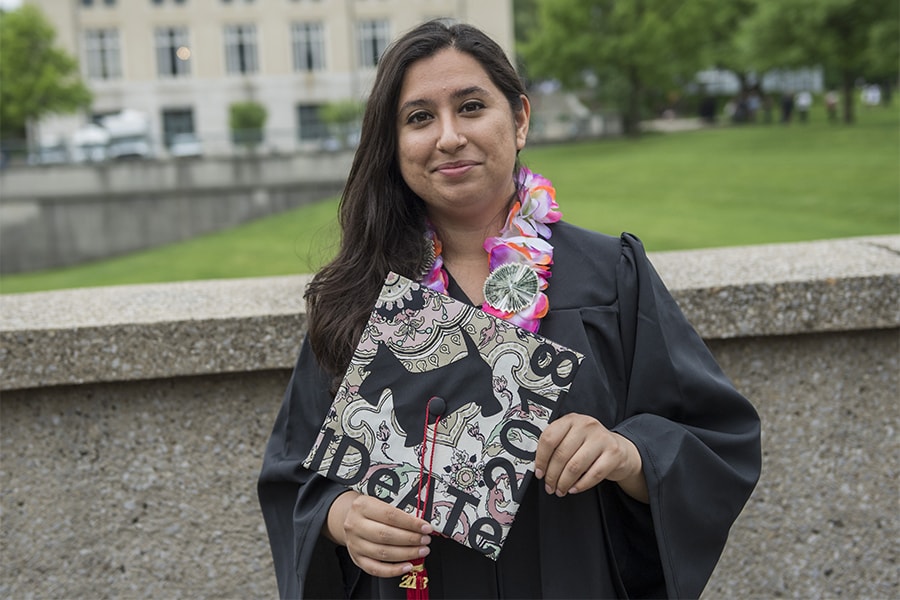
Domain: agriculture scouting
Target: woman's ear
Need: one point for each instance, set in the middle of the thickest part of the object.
(522, 116)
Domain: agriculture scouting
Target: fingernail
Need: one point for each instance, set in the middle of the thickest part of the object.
(548, 488)
(407, 568)
(573, 491)
(425, 540)
(427, 528)
(539, 473)
(560, 493)
(424, 551)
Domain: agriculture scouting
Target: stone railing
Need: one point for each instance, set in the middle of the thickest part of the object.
(134, 420)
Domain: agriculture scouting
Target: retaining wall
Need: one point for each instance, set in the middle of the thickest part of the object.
(134, 421)
(59, 215)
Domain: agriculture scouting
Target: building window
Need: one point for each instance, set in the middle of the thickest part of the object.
(374, 37)
(240, 49)
(309, 46)
(87, 2)
(173, 53)
(176, 121)
(310, 126)
(102, 49)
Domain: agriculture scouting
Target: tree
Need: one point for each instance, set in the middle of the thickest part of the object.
(340, 117)
(629, 47)
(884, 47)
(851, 39)
(726, 48)
(36, 77)
(525, 15)
(246, 120)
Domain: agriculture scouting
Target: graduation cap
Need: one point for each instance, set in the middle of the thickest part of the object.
(440, 411)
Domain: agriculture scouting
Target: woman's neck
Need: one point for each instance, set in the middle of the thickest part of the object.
(463, 239)
(463, 252)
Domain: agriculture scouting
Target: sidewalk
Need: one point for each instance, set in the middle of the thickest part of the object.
(673, 125)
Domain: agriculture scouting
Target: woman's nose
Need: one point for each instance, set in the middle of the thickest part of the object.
(451, 138)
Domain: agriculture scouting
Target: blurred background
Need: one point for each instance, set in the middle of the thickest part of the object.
(162, 140)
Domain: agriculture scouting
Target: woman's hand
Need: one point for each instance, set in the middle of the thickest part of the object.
(380, 538)
(576, 452)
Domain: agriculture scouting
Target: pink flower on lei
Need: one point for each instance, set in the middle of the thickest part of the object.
(529, 318)
(436, 279)
(535, 208)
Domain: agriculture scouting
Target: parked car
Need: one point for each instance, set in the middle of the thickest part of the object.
(185, 145)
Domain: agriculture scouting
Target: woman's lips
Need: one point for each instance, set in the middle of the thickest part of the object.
(455, 169)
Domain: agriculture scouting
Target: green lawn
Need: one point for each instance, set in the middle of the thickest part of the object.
(716, 187)
(734, 186)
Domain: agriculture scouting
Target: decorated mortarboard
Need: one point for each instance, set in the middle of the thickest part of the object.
(440, 411)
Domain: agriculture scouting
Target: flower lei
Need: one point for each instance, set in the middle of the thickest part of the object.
(517, 257)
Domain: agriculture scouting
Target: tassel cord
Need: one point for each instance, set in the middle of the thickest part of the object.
(416, 582)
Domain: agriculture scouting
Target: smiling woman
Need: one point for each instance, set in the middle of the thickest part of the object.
(648, 458)
(454, 129)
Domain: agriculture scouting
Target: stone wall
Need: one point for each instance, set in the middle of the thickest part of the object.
(134, 420)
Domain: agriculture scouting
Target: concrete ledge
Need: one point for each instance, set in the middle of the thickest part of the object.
(141, 332)
(150, 331)
(783, 289)
(134, 420)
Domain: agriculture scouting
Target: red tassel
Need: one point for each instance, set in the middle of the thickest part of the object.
(416, 581)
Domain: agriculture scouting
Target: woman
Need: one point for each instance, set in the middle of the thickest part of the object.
(653, 453)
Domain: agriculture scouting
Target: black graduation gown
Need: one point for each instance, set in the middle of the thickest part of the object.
(647, 375)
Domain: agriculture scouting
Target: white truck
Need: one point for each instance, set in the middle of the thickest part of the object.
(89, 144)
(125, 134)
(129, 135)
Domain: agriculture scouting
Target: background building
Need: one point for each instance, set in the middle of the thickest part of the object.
(182, 63)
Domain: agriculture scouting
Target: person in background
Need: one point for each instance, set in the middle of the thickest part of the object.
(832, 99)
(653, 453)
(803, 103)
(787, 107)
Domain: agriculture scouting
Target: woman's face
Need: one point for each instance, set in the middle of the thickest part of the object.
(458, 138)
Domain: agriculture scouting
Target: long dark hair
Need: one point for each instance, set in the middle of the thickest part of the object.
(382, 220)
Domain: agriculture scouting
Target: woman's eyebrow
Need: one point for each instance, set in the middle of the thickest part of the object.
(472, 89)
(460, 93)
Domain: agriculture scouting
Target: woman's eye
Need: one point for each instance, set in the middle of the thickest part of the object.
(418, 117)
(471, 106)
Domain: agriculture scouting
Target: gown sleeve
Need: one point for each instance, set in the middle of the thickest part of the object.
(294, 500)
(699, 439)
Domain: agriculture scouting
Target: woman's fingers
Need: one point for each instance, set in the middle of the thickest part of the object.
(382, 539)
(380, 569)
(389, 553)
(389, 523)
(600, 469)
(575, 453)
